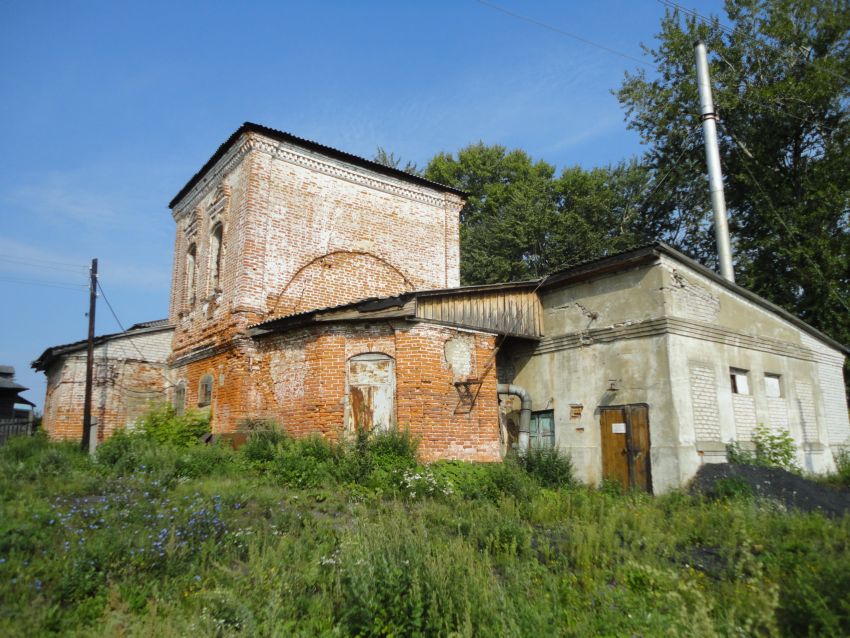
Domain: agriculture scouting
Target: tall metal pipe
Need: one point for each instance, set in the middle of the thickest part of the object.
(712, 159)
(524, 413)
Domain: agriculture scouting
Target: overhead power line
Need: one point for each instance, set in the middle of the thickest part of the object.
(776, 106)
(47, 284)
(142, 356)
(568, 34)
(737, 33)
(43, 263)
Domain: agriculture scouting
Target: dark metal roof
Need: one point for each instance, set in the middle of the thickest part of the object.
(156, 323)
(649, 253)
(281, 136)
(371, 304)
(50, 354)
(24, 401)
(8, 384)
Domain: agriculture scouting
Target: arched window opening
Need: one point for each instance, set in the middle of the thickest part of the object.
(371, 393)
(216, 253)
(190, 274)
(205, 388)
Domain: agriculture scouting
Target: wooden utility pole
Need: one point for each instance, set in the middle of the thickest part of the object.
(90, 358)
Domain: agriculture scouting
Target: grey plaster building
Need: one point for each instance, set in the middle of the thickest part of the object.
(650, 364)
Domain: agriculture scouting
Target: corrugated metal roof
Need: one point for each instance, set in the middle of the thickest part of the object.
(156, 323)
(282, 136)
(364, 306)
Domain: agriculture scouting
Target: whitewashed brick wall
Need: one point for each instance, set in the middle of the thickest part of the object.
(806, 410)
(745, 416)
(704, 401)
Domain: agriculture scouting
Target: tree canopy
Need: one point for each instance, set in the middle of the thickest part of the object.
(780, 72)
(521, 221)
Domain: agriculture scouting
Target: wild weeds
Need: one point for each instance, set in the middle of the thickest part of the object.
(208, 541)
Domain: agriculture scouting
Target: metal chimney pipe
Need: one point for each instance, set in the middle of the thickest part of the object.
(712, 159)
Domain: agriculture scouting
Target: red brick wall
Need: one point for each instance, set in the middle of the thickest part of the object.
(299, 380)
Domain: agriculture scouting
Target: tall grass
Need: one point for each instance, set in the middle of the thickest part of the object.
(163, 540)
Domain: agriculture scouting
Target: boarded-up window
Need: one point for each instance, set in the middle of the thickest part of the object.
(205, 390)
(772, 386)
(216, 253)
(190, 274)
(180, 398)
(371, 392)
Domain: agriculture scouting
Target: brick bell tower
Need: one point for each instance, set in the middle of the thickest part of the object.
(274, 225)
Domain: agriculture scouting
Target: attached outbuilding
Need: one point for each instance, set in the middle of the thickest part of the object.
(650, 364)
(130, 375)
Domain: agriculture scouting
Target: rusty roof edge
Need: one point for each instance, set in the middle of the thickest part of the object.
(316, 147)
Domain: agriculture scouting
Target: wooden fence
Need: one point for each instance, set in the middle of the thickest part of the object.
(14, 427)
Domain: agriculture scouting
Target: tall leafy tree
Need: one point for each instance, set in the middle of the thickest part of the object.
(521, 221)
(388, 158)
(781, 78)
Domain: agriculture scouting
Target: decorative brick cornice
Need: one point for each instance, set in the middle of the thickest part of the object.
(213, 177)
(340, 170)
(315, 162)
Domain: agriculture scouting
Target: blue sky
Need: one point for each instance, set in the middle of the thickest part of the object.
(110, 107)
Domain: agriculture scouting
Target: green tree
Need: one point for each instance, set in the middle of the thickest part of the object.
(388, 158)
(780, 77)
(522, 222)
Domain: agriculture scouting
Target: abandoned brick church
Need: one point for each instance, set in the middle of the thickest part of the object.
(321, 290)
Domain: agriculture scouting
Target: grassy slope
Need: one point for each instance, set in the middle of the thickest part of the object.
(168, 542)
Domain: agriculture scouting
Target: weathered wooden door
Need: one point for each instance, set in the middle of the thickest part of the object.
(625, 445)
(371, 391)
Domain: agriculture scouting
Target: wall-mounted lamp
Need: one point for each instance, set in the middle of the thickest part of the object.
(613, 385)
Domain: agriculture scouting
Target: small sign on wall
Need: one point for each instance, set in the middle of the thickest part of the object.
(618, 428)
(575, 410)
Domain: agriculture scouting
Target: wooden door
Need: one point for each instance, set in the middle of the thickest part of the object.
(625, 446)
(615, 447)
(371, 392)
(637, 420)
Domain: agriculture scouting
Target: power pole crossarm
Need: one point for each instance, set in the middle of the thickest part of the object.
(712, 159)
(86, 442)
